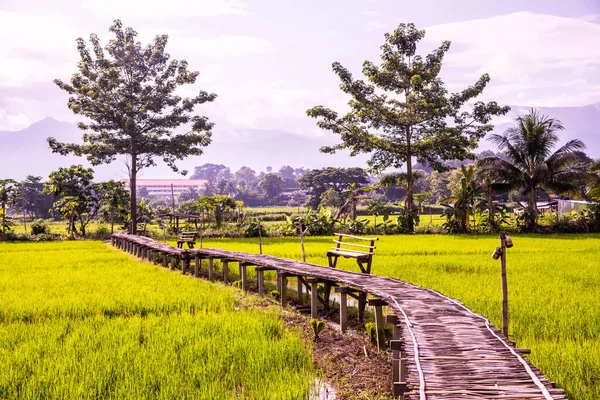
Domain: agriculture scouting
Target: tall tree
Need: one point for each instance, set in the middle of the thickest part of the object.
(128, 92)
(531, 164)
(75, 195)
(403, 111)
(595, 189)
(113, 198)
(318, 181)
(208, 171)
(272, 186)
(30, 198)
(247, 174)
(8, 188)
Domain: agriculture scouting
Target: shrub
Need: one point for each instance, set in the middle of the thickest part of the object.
(102, 231)
(275, 294)
(39, 227)
(317, 326)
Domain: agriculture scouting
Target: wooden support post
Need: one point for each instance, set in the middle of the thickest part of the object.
(260, 277)
(164, 259)
(393, 319)
(283, 292)
(278, 283)
(378, 304)
(400, 387)
(343, 291)
(197, 262)
(504, 284)
(314, 297)
(210, 269)
(172, 262)
(362, 302)
(225, 270)
(299, 290)
(326, 293)
(243, 276)
(183, 265)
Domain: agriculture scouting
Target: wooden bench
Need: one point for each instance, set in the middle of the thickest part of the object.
(187, 237)
(364, 258)
(141, 229)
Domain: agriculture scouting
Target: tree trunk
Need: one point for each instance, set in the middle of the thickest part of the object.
(133, 195)
(408, 204)
(3, 221)
(492, 222)
(533, 209)
(112, 220)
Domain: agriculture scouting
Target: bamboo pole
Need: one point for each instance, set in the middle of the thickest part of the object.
(504, 284)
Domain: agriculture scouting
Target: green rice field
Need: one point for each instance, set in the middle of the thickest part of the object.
(80, 320)
(553, 281)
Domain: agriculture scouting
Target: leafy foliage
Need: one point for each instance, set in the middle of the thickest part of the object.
(403, 110)
(532, 165)
(317, 181)
(8, 188)
(312, 222)
(128, 92)
(317, 326)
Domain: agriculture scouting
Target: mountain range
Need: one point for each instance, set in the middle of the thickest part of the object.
(26, 152)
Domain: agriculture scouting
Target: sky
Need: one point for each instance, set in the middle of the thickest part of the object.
(269, 61)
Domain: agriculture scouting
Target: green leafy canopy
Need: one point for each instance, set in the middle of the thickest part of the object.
(403, 109)
(128, 93)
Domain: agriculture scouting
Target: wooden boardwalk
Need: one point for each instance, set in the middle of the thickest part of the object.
(441, 349)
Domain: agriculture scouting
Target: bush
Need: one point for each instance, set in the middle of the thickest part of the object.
(39, 227)
(102, 231)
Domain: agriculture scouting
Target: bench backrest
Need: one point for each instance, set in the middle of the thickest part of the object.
(187, 236)
(359, 248)
(141, 227)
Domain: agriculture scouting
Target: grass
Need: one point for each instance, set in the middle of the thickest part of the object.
(81, 320)
(553, 281)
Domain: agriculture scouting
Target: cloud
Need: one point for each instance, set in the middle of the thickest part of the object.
(374, 26)
(34, 47)
(532, 58)
(220, 46)
(13, 121)
(156, 9)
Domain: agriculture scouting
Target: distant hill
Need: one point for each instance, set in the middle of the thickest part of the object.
(26, 152)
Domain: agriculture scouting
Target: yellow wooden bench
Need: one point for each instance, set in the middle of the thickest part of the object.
(364, 258)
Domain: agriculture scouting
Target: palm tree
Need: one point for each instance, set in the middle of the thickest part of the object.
(531, 165)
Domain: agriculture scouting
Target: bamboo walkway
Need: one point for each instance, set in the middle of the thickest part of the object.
(441, 349)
